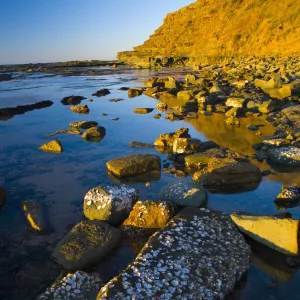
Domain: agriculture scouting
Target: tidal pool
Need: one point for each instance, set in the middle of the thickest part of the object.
(59, 182)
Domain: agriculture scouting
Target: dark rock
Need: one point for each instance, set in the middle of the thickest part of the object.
(72, 100)
(101, 93)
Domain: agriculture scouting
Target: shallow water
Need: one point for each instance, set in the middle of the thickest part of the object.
(59, 182)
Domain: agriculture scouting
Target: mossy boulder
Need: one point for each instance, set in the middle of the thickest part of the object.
(73, 100)
(134, 164)
(83, 124)
(52, 146)
(110, 203)
(186, 146)
(94, 134)
(134, 92)
(87, 243)
(101, 93)
(33, 215)
(80, 109)
(146, 217)
(183, 193)
(2, 197)
(167, 139)
(142, 110)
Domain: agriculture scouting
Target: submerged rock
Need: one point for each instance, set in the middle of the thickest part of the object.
(142, 110)
(80, 109)
(80, 285)
(140, 145)
(134, 164)
(2, 197)
(65, 131)
(5, 77)
(167, 139)
(147, 217)
(101, 93)
(83, 124)
(52, 146)
(176, 261)
(287, 156)
(186, 146)
(110, 203)
(87, 243)
(73, 100)
(278, 233)
(134, 92)
(183, 193)
(33, 215)
(94, 134)
(288, 197)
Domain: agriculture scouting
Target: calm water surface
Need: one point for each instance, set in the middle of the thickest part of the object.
(59, 182)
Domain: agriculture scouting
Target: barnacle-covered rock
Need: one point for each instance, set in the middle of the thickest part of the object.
(275, 232)
(146, 217)
(288, 156)
(199, 255)
(183, 193)
(110, 203)
(134, 164)
(87, 243)
(78, 285)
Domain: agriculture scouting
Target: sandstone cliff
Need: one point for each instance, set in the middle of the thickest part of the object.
(218, 28)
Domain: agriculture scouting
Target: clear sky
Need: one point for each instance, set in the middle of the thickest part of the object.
(61, 30)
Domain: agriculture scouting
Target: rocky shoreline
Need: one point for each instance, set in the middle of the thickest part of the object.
(191, 247)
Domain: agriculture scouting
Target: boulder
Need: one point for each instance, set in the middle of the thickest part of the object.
(2, 197)
(73, 100)
(147, 217)
(157, 116)
(288, 197)
(155, 82)
(83, 124)
(80, 109)
(172, 83)
(87, 243)
(216, 89)
(264, 84)
(186, 146)
(235, 102)
(162, 106)
(167, 139)
(94, 134)
(287, 156)
(183, 193)
(134, 92)
(176, 261)
(52, 146)
(134, 164)
(292, 113)
(185, 95)
(266, 107)
(101, 93)
(280, 93)
(231, 176)
(33, 215)
(74, 285)
(110, 203)
(140, 145)
(278, 233)
(5, 77)
(142, 110)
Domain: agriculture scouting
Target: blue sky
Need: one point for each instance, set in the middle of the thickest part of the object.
(62, 30)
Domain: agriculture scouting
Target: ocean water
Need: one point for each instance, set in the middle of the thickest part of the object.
(59, 182)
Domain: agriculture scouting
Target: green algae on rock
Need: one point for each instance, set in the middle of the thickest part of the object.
(175, 261)
(52, 146)
(110, 203)
(78, 285)
(88, 242)
(94, 134)
(134, 164)
(183, 193)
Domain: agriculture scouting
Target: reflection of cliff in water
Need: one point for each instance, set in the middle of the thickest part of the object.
(241, 139)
